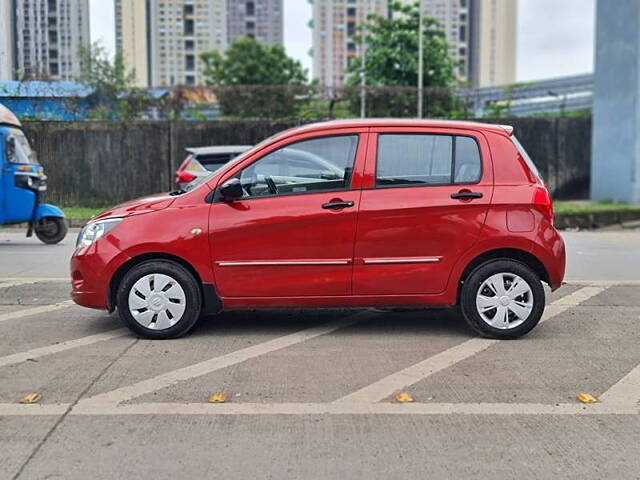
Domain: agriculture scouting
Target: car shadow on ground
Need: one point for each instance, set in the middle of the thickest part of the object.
(375, 322)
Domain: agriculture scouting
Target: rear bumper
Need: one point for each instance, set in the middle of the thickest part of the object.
(549, 247)
(92, 269)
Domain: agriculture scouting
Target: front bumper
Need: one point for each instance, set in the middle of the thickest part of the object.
(92, 269)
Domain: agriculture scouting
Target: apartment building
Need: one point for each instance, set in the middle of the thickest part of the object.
(493, 40)
(162, 40)
(334, 28)
(481, 35)
(259, 19)
(40, 39)
(132, 38)
(455, 19)
(7, 42)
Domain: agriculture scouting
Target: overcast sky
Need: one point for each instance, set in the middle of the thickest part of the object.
(555, 37)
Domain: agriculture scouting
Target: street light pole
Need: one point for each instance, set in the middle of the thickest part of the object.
(420, 62)
(363, 77)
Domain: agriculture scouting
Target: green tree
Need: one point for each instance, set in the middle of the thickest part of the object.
(114, 92)
(253, 80)
(392, 61)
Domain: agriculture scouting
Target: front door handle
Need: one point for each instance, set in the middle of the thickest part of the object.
(337, 205)
(466, 195)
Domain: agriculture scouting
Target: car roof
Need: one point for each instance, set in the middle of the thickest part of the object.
(397, 122)
(219, 149)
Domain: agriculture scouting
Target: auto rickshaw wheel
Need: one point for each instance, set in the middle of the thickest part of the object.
(51, 230)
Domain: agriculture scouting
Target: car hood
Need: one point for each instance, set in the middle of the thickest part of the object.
(138, 206)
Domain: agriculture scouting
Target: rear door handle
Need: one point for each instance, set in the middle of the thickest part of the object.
(466, 195)
(337, 205)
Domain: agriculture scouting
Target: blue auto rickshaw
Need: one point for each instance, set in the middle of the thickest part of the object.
(23, 185)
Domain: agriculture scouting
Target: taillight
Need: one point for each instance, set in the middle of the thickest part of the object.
(181, 175)
(184, 177)
(542, 200)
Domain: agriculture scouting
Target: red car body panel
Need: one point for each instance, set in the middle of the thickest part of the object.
(333, 248)
(165, 233)
(286, 228)
(151, 203)
(414, 222)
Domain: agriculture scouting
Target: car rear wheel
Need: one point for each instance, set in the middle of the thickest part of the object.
(159, 299)
(502, 299)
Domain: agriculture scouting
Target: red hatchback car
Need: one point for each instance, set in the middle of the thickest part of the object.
(355, 213)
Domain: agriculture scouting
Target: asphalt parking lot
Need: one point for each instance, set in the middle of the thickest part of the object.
(312, 394)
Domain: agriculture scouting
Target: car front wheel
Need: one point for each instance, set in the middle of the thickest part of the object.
(502, 299)
(159, 300)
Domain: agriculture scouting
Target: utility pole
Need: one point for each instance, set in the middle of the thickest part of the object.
(420, 61)
(363, 77)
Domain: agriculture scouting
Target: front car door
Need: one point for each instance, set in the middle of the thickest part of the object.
(426, 202)
(292, 233)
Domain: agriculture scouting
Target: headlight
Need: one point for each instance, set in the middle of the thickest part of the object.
(93, 231)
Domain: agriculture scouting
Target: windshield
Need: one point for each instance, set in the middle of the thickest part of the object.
(200, 179)
(527, 158)
(18, 149)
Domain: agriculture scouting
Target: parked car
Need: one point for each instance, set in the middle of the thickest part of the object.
(386, 213)
(201, 161)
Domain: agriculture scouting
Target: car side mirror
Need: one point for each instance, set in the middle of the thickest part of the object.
(231, 190)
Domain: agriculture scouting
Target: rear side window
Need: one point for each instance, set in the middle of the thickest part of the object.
(422, 159)
(214, 162)
(526, 157)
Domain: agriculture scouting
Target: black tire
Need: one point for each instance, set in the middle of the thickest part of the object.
(475, 280)
(178, 273)
(51, 230)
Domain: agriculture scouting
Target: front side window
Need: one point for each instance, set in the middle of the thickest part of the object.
(316, 165)
(421, 159)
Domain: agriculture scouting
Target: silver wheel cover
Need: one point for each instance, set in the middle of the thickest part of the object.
(157, 301)
(504, 301)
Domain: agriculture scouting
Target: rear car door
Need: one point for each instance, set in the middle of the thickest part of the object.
(292, 233)
(426, 202)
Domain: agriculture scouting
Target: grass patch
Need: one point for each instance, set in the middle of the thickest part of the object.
(560, 208)
(82, 212)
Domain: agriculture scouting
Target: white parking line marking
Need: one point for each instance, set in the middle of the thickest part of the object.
(626, 391)
(61, 347)
(150, 385)
(17, 409)
(359, 409)
(172, 409)
(579, 296)
(16, 282)
(387, 386)
(27, 312)
(623, 398)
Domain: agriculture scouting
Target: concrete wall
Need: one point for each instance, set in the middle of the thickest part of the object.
(104, 163)
(616, 107)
